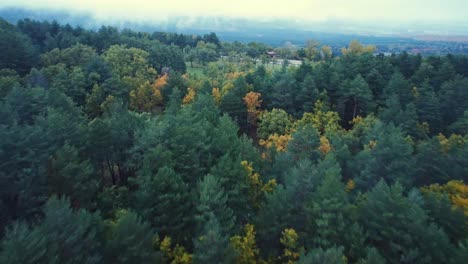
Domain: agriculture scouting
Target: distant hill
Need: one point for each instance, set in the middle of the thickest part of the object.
(273, 32)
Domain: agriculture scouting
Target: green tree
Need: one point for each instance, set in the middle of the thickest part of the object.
(212, 245)
(23, 245)
(387, 155)
(161, 56)
(213, 200)
(76, 55)
(233, 103)
(23, 156)
(284, 92)
(232, 178)
(71, 236)
(332, 255)
(129, 65)
(445, 215)
(453, 99)
(129, 239)
(405, 118)
(357, 97)
(8, 79)
(17, 50)
(71, 176)
(373, 256)
(64, 236)
(305, 143)
(407, 232)
(330, 215)
(206, 52)
(276, 121)
(428, 106)
(164, 200)
(94, 101)
(399, 86)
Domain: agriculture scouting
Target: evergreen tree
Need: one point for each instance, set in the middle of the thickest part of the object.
(428, 106)
(23, 245)
(407, 232)
(332, 255)
(232, 178)
(373, 256)
(233, 104)
(356, 98)
(213, 200)
(387, 155)
(453, 97)
(212, 245)
(164, 200)
(71, 237)
(18, 52)
(71, 176)
(330, 216)
(129, 240)
(305, 143)
(398, 85)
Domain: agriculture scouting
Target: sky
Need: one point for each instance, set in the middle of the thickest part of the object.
(380, 11)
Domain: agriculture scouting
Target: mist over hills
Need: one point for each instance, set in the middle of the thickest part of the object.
(337, 33)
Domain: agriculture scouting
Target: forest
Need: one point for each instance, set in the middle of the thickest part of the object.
(119, 146)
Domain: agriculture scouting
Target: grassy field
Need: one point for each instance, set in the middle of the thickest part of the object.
(197, 69)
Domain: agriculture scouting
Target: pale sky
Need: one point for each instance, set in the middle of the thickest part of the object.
(402, 11)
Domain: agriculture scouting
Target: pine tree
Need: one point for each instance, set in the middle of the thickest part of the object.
(23, 245)
(305, 143)
(213, 200)
(232, 178)
(332, 255)
(73, 177)
(329, 213)
(400, 86)
(212, 244)
(71, 237)
(129, 239)
(233, 104)
(387, 155)
(373, 257)
(356, 98)
(164, 200)
(428, 106)
(407, 228)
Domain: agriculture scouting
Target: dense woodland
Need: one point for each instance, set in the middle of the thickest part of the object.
(115, 149)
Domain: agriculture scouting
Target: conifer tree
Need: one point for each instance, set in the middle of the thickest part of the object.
(164, 200)
(213, 200)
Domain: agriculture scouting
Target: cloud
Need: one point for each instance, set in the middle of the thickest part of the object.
(401, 11)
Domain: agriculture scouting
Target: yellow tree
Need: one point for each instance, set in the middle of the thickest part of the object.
(325, 146)
(174, 255)
(144, 99)
(158, 85)
(257, 189)
(253, 102)
(326, 52)
(246, 247)
(289, 239)
(311, 49)
(447, 144)
(457, 192)
(216, 95)
(190, 96)
(321, 119)
(355, 47)
(279, 142)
